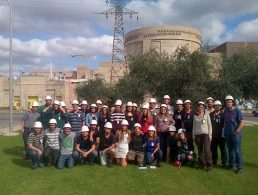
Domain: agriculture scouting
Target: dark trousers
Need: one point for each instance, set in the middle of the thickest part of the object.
(189, 136)
(51, 154)
(25, 136)
(204, 148)
(163, 136)
(215, 143)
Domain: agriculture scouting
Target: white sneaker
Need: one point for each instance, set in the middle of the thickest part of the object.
(142, 167)
(153, 167)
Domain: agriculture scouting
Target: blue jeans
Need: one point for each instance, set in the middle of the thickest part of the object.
(234, 150)
(63, 159)
(157, 156)
(35, 158)
(91, 156)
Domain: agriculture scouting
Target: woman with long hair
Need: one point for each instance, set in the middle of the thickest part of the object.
(104, 117)
(145, 119)
(130, 116)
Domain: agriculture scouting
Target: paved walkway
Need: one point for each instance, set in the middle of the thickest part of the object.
(6, 129)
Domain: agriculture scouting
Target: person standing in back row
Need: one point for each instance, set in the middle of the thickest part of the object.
(45, 112)
(167, 101)
(233, 125)
(179, 112)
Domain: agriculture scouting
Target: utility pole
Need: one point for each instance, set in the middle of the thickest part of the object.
(118, 51)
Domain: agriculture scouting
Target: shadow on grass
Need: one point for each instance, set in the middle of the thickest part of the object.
(14, 151)
(21, 163)
(251, 165)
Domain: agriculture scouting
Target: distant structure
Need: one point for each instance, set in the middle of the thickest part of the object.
(118, 52)
(228, 48)
(165, 38)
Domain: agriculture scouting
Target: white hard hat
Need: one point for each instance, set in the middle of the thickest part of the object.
(137, 125)
(118, 103)
(200, 102)
(75, 102)
(93, 105)
(105, 106)
(84, 102)
(35, 104)
(217, 103)
(166, 97)
(163, 105)
(124, 122)
(37, 124)
(129, 104)
(151, 128)
(145, 106)
(67, 125)
(84, 129)
(181, 131)
(52, 121)
(48, 98)
(56, 102)
(172, 128)
(187, 101)
(62, 103)
(229, 97)
(135, 105)
(210, 98)
(108, 125)
(93, 122)
(179, 102)
(99, 102)
(152, 100)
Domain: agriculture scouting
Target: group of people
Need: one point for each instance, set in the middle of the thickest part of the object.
(54, 135)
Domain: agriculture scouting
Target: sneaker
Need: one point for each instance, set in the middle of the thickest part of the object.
(239, 171)
(153, 167)
(142, 167)
(40, 165)
(34, 166)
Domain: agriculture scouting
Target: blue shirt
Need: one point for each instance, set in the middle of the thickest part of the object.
(151, 145)
(89, 118)
(75, 119)
(232, 119)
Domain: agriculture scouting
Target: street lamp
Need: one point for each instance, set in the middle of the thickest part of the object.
(11, 70)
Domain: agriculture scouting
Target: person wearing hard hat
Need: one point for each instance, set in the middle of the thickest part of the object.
(210, 105)
(76, 117)
(85, 147)
(66, 147)
(117, 116)
(152, 148)
(172, 145)
(51, 139)
(45, 112)
(63, 105)
(93, 115)
(123, 138)
(152, 107)
(136, 146)
(218, 140)
(202, 134)
(103, 117)
(130, 116)
(59, 114)
(107, 143)
(162, 124)
(99, 105)
(145, 118)
(184, 154)
(27, 123)
(179, 112)
(135, 111)
(94, 130)
(35, 145)
(187, 123)
(167, 101)
(84, 107)
(233, 126)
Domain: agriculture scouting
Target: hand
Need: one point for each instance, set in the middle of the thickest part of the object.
(152, 156)
(236, 132)
(40, 152)
(85, 154)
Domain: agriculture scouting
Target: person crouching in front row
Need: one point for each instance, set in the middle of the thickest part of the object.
(152, 147)
(107, 141)
(67, 144)
(136, 146)
(35, 145)
(85, 147)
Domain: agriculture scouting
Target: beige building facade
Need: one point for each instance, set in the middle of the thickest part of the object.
(166, 38)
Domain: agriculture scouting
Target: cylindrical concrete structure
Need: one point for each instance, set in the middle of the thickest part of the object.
(166, 38)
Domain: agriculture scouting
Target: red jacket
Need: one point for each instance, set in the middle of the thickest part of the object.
(145, 123)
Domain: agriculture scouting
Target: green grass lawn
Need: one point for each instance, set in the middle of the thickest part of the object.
(18, 178)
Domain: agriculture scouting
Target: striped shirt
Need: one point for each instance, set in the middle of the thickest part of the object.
(67, 143)
(36, 140)
(52, 138)
(116, 119)
(76, 119)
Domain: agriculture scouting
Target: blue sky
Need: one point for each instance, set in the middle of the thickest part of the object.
(48, 32)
